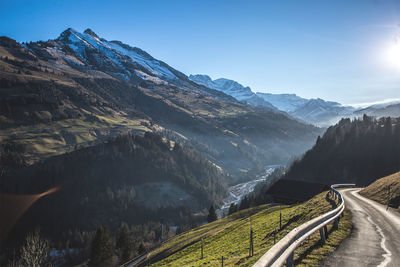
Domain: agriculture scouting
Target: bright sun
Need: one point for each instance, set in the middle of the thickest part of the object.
(392, 54)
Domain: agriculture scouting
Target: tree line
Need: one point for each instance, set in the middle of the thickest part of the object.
(352, 151)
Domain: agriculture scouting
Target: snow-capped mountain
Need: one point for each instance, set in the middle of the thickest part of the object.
(232, 88)
(114, 56)
(321, 112)
(381, 110)
(315, 111)
(284, 102)
(108, 88)
(122, 61)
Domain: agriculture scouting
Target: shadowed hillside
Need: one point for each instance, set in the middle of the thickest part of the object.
(112, 182)
(358, 151)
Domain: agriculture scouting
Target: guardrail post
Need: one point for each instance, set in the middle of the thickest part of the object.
(336, 224)
(322, 234)
(289, 260)
(202, 246)
(251, 247)
(222, 260)
(326, 231)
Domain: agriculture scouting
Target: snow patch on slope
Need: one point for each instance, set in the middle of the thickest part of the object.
(231, 88)
(284, 102)
(114, 53)
(152, 65)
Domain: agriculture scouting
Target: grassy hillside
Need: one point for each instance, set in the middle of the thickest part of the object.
(229, 237)
(44, 140)
(379, 190)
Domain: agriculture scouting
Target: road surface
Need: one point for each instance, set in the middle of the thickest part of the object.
(375, 239)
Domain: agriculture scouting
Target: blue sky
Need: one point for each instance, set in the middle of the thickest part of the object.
(336, 50)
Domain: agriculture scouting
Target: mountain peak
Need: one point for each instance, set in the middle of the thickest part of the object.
(200, 77)
(66, 33)
(232, 88)
(91, 33)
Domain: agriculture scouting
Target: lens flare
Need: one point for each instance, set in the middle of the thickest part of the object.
(13, 206)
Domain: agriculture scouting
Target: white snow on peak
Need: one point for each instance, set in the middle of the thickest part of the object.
(92, 43)
(316, 111)
(152, 65)
(284, 102)
(116, 52)
(147, 77)
(231, 88)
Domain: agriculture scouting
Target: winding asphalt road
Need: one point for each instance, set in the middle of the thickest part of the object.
(375, 239)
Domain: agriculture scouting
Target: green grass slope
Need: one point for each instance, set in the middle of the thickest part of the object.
(44, 140)
(379, 190)
(229, 237)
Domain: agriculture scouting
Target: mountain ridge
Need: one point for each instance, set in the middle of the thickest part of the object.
(80, 89)
(232, 88)
(315, 111)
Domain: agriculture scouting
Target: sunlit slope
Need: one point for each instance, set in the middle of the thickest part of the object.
(384, 190)
(44, 140)
(229, 237)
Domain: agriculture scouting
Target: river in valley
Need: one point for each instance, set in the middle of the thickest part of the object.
(239, 191)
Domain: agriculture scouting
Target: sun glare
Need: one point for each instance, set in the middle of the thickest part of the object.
(392, 54)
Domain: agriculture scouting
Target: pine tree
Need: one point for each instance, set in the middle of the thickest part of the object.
(388, 126)
(212, 216)
(141, 249)
(244, 204)
(102, 251)
(124, 243)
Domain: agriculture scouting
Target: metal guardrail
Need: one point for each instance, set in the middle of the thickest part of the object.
(141, 258)
(284, 249)
(135, 261)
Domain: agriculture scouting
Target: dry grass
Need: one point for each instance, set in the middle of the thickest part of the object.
(379, 190)
(311, 253)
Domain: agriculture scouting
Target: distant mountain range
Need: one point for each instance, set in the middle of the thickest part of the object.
(315, 111)
(381, 110)
(232, 88)
(284, 102)
(80, 89)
